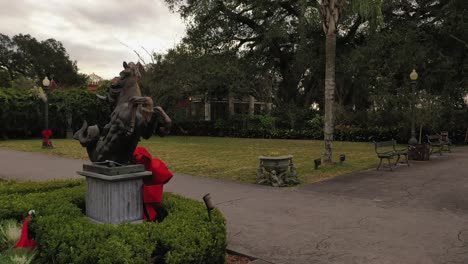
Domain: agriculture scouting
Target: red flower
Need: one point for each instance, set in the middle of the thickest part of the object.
(46, 134)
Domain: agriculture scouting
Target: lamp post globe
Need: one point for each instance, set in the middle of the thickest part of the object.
(46, 82)
(413, 77)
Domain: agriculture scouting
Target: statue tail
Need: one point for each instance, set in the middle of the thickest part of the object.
(87, 134)
(80, 134)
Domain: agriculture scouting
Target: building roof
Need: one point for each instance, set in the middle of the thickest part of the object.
(94, 78)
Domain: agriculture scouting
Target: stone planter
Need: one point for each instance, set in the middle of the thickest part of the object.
(277, 171)
(114, 194)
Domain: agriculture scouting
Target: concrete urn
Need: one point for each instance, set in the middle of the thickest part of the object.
(277, 171)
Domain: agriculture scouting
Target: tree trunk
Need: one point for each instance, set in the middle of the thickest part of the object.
(330, 52)
(330, 11)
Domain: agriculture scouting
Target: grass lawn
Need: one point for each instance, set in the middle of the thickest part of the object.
(229, 158)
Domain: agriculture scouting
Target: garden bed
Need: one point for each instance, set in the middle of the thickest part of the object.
(65, 235)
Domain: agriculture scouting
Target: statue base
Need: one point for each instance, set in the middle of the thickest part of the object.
(114, 193)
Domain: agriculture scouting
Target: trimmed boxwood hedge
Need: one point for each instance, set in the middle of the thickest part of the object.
(65, 235)
(341, 133)
(22, 113)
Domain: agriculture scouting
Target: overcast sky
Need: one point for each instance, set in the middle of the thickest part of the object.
(92, 30)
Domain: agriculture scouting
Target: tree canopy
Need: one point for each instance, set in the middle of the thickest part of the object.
(284, 41)
(24, 55)
(275, 36)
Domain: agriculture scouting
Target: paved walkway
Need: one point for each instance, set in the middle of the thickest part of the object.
(416, 214)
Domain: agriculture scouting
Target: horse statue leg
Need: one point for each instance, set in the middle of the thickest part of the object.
(146, 111)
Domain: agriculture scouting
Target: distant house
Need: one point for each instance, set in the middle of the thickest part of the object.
(201, 109)
(93, 81)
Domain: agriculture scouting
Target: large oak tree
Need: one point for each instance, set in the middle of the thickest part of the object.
(24, 55)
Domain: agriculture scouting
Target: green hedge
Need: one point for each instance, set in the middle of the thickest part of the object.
(22, 113)
(210, 128)
(65, 235)
(341, 133)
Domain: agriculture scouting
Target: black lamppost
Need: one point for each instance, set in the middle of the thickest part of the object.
(413, 77)
(46, 84)
(46, 134)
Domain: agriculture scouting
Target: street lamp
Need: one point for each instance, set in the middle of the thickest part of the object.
(46, 84)
(45, 134)
(413, 77)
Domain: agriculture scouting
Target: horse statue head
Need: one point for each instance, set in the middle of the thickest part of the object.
(126, 85)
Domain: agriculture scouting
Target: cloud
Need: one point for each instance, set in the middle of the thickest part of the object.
(93, 31)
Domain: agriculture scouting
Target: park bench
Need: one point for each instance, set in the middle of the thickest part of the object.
(446, 142)
(383, 151)
(439, 143)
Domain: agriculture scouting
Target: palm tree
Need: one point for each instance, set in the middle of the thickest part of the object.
(330, 11)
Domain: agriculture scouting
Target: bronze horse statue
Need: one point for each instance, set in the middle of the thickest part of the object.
(132, 117)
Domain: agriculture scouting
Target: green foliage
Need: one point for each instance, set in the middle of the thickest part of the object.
(312, 130)
(65, 235)
(370, 10)
(10, 234)
(17, 256)
(5, 78)
(9, 187)
(81, 104)
(273, 37)
(183, 73)
(25, 55)
(22, 82)
(284, 41)
(22, 113)
(427, 35)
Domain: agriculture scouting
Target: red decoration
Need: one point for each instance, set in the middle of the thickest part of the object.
(152, 194)
(92, 87)
(46, 134)
(25, 242)
(152, 191)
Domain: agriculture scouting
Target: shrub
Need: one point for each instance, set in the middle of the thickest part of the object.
(17, 256)
(10, 187)
(313, 130)
(65, 235)
(10, 233)
(22, 113)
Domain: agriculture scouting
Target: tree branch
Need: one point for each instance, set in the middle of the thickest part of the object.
(139, 57)
(290, 8)
(459, 40)
(352, 31)
(242, 19)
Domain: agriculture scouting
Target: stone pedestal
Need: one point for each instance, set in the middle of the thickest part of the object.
(114, 194)
(418, 152)
(277, 171)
